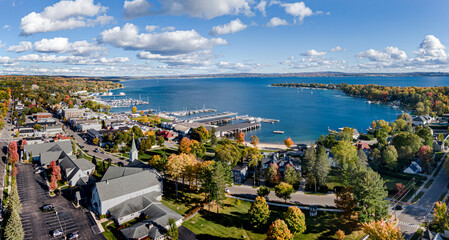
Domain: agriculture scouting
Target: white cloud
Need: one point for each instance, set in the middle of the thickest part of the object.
(261, 7)
(72, 60)
(65, 15)
(2, 45)
(7, 27)
(165, 43)
(5, 60)
(62, 45)
(338, 49)
(387, 55)
(231, 27)
(206, 8)
(136, 8)
(236, 66)
(275, 21)
(21, 47)
(431, 48)
(198, 58)
(298, 9)
(313, 53)
(151, 28)
(169, 28)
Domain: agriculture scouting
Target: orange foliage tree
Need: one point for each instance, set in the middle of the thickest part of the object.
(288, 142)
(240, 137)
(278, 230)
(382, 230)
(185, 145)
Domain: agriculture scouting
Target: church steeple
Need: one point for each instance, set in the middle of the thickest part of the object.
(133, 153)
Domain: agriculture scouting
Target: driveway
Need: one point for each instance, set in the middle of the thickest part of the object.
(33, 192)
(298, 197)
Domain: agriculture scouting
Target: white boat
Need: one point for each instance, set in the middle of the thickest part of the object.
(122, 94)
(278, 132)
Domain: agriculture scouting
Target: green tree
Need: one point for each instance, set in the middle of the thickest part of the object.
(172, 231)
(160, 141)
(426, 134)
(345, 153)
(390, 156)
(440, 217)
(13, 199)
(404, 139)
(37, 127)
(13, 228)
(221, 177)
(309, 160)
(295, 220)
(278, 230)
(322, 167)
(272, 174)
(228, 152)
(263, 191)
(259, 213)
(198, 149)
(254, 140)
(213, 136)
(254, 157)
(345, 201)
(290, 175)
(283, 190)
(96, 141)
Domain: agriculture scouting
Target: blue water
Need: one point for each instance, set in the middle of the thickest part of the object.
(304, 114)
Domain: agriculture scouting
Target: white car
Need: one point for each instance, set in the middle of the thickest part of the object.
(227, 190)
(38, 171)
(57, 233)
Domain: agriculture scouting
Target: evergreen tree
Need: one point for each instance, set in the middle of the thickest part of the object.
(322, 167)
(172, 231)
(290, 175)
(259, 213)
(13, 203)
(13, 228)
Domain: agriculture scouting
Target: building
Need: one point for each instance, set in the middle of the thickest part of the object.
(42, 115)
(76, 171)
(52, 130)
(133, 153)
(91, 134)
(45, 153)
(72, 113)
(239, 173)
(414, 168)
(86, 126)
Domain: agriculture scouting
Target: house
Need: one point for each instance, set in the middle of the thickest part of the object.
(34, 140)
(428, 235)
(72, 113)
(438, 146)
(86, 126)
(45, 153)
(41, 115)
(182, 130)
(422, 120)
(52, 130)
(166, 134)
(76, 171)
(239, 173)
(91, 134)
(414, 168)
(60, 137)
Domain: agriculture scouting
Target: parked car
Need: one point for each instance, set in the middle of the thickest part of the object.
(37, 168)
(38, 171)
(72, 236)
(87, 151)
(398, 207)
(57, 233)
(227, 190)
(81, 146)
(47, 208)
(102, 152)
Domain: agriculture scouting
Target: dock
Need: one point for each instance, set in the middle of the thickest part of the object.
(215, 119)
(230, 130)
(257, 119)
(189, 112)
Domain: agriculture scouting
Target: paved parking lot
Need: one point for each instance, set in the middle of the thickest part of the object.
(39, 225)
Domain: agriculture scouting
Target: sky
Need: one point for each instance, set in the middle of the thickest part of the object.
(179, 37)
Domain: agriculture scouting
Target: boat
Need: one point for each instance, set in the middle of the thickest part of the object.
(278, 132)
(122, 94)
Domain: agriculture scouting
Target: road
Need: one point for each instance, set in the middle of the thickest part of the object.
(298, 198)
(412, 216)
(33, 192)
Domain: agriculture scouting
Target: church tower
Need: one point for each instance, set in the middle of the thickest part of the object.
(133, 153)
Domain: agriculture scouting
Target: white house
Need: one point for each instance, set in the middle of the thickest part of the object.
(414, 168)
(76, 171)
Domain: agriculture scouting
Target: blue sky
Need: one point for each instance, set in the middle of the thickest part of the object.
(173, 37)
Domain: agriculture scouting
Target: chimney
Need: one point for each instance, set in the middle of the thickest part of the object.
(107, 181)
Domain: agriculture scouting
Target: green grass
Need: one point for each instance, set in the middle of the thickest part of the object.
(232, 221)
(334, 179)
(418, 196)
(107, 233)
(428, 183)
(439, 156)
(438, 170)
(442, 197)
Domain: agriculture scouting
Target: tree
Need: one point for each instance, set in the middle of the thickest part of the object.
(145, 144)
(160, 141)
(53, 183)
(96, 141)
(283, 190)
(13, 199)
(322, 167)
(382, 230)
(176, 167)
(288, 142)
(425, 155)
(295, 220)
(240, 137)
(390, 156)
(13, 228)
(134, 109)
(272, 174)
(345, 201)
(259, 213)
(440, 215)
(278, 230)
(263, 191)
(185, 145)
(404, 139)
(141, 112)
(228, 152)
(340, 235)
(213, 136)
(399, 189)
(290, 175)
(363, 159)
(198, 149)
(345, 153)
(172, 231)
(309, 160)
(376, 158)
(254, 140)
(37, 127)
(222, 175)
(255, 157)
(13, 158)
(426, 134)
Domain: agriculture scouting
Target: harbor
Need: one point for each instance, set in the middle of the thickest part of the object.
(121, 103)
(231, 130)
(188, 112)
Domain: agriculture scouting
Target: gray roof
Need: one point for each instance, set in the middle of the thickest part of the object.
(154, 226)
(37, 149)
(81, 163)
(116, 172)
(47, 157)
(132, 205)
(120, 186)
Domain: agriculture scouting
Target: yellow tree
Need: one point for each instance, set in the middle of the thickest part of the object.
(185, 145)
(142, 112)
(382, 230)
(440, 214)
(288, 142)
(175, 168)
(278, 230)
(134, 109)
(254, 140)
(240, 137)
(340, 235)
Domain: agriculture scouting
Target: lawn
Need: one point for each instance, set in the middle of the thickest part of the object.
(232, 221)
(334, 179)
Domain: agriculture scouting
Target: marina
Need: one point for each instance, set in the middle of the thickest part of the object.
(189, 112)
(230, 130)
(119, 103)
(257, 119)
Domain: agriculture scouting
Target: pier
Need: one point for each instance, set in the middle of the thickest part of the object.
(257, 119)
(219, 118)
(189, 112)
(230, 130)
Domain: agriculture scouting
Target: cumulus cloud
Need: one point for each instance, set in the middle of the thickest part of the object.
(7, 27)
(198, 58)
(387, 55)
(236, 66)
(431, 48)
(231, 27)
(5, 60)
(62, 45)
(275, 21)
(136, 8)
(338, 49)
(261, 7)
(65, 15)
(151, 28)
(298, 10)
(313, 53)
(165, 43)
(21, 47)
(206, 8)
(169, 28)
(72, 60)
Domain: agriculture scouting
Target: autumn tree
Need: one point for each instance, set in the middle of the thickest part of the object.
(185, 145)
(141, 112)
(390, 157)
(259, 213)
(283, 190)
(172, 231)
(399, 189)
(425, 155)
(53, 183)
(272, 174)
(288, 142)
(345, 153)
(134, 109)
(290, 175)
(382, 230)
(345, 201)
(278, 230)
(340, 235)
(96, 141)
(176, 165)
(198, 149)
(254, 140)
(295, 220)
(240, 137)
(263, 191)
(440, 217)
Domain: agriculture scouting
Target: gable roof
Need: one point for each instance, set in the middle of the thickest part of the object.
(116, 172)
(37, 149)
(115, 187)
(133, 205)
